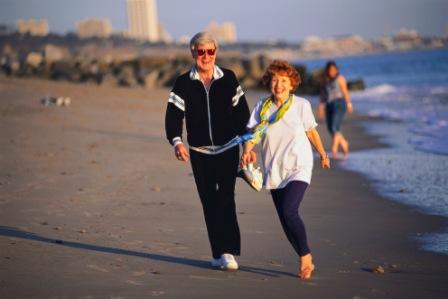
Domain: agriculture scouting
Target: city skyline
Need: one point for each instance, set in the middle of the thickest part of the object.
(307, 18)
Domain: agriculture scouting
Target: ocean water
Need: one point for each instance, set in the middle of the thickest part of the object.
(410, 91)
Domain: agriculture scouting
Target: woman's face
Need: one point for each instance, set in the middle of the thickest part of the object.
(332, 72)
(281, 86)
(205, 56)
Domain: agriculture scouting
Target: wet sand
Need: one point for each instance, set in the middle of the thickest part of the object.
(94, 205)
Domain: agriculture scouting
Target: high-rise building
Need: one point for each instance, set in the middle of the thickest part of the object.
(224, 33)
(94, 28)
(143, 23)
(33, 27)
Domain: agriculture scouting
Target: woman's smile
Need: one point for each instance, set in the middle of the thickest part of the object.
(279, 90)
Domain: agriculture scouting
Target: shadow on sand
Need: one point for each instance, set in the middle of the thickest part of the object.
(16, 233)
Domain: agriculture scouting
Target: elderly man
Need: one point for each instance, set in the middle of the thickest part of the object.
(215, 111)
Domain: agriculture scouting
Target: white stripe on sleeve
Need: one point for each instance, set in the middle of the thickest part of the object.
(177, 101)
(238, 95)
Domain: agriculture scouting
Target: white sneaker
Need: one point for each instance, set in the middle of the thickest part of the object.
(228, 262)
(225, 262)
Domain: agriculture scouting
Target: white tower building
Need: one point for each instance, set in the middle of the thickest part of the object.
(143, 23)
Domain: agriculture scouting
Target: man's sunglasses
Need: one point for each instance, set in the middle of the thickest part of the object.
(210, 52)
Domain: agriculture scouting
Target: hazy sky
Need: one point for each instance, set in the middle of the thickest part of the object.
(290, 20)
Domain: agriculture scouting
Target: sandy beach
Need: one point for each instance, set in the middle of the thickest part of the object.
(93, 204)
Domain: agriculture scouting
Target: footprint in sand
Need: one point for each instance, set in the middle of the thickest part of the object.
(312, 284)
(134, 243)
(157, 293)
(133, 282)
(138, 273)
(97, 268)
(203, 277)
(275, 264)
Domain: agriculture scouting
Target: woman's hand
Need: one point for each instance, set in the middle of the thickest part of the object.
(181, 152)
(349, 107)
(315, 140)
(325, 162)
(344, 88)
(321, 111)
(248, 158)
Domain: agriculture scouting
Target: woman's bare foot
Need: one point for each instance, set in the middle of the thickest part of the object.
(335, 155)
(306, 266)
(335, 152)
(345, 148)
(335, 145)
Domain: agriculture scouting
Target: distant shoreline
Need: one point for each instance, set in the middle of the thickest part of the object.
(361, 55)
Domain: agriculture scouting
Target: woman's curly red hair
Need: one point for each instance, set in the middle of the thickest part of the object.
(282, 68)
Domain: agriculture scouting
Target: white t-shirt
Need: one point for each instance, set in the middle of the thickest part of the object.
(286, 151)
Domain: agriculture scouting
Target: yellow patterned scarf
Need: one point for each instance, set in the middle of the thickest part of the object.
(266, 120)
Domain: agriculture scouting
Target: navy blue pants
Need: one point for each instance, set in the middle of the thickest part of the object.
(287, 201)
(334, 113)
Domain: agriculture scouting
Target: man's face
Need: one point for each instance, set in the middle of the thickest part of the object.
(205, 56)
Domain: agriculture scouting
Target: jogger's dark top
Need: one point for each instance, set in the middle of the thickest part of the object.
(213, 117)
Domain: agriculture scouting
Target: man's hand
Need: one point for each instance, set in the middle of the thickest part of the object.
(181, 152)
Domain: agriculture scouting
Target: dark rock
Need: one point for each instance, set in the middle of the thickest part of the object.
(250, 82)
(151, 63)
(357, 84)
(127, 77)
(63, 70)
(234, 64)
(109, 80)
(259, 65)
(150, 80)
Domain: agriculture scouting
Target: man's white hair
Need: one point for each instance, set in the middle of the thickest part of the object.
(202, 38)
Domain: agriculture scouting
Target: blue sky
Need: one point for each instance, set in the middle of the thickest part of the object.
(290, 20)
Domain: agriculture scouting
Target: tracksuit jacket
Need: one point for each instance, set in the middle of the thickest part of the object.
(212, 117)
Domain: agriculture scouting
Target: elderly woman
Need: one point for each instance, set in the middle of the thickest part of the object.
(215, 111)
(334, 101)
(287, 156)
